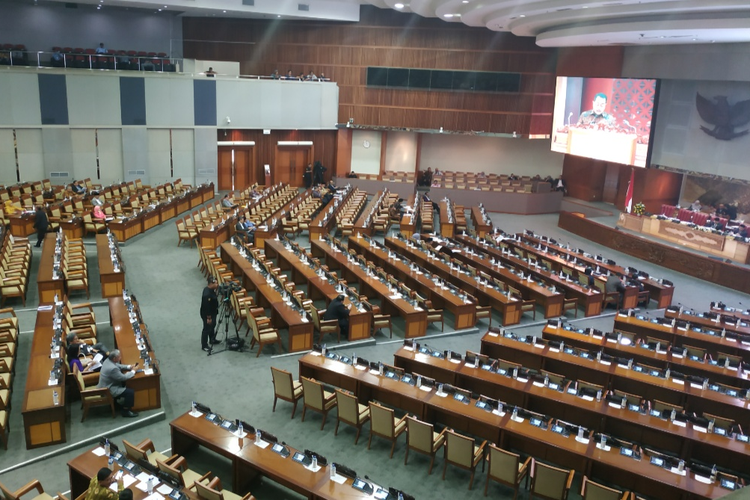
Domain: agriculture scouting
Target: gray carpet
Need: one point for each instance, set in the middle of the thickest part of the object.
(168, 285)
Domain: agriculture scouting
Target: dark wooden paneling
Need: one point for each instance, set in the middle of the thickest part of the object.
(705, 268)
(596, 62)
(652, 187)
(343, 152)
(584, 177)
(387, 38)
(324, 145)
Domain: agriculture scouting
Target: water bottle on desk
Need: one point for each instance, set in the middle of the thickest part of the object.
(332, 470)
(150, 485)
(55, 398)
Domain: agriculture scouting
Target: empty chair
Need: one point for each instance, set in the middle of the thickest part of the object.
(176, 467)
(263, 334)
(463, 452)
(144, 450)
(351, 412)
(285, 388)
(383, 423)
(317, 399)
(570, 304)
(550, 483)
(31, 486)
(434, 315)
(92, 395)
(421, 437)
(485, 312)
(324, 327)
(213, 491)
(506, 468)
(595, 491)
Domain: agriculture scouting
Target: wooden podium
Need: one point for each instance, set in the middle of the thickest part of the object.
(602, 145)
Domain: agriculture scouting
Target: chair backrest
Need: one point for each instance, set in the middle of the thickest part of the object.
(282, 382)
(133, 452)
(348, 406)
(381, 419)
(171, 471)
(7, 494)
(503, 464)
(315, 317)
(419, 434)
(206, 492)
(459, 449)
(313, 392)
(79, 380)
(549, 481)
(596, 491)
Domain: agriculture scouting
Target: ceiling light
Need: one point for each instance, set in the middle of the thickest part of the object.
(159, 10)
(585, 7)
(399, 6)
(522, 15)
(448, 16)
(465, 1)
(224, 11)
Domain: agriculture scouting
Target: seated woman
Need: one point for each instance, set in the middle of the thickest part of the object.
(98, 214)
(92, 365)
(12, 207)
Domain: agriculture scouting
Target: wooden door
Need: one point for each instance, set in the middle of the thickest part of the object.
(225, 169)
(243, 168)
(290, 164)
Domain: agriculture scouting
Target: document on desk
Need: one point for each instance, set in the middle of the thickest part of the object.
(164, 489)
(99, 452)
(338, 478)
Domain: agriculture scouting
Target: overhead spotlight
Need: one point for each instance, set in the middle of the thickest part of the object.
(399, 6)
(224, 11)
(447, 16)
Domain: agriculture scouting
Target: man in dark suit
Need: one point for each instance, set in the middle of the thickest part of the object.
(614, 284)
(112, 377)
(40, 224)
(209, 313)
(338, 311)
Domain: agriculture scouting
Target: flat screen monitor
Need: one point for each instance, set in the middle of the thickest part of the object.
(608, 119)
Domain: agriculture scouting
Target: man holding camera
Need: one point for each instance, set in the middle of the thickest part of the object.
(209, 314)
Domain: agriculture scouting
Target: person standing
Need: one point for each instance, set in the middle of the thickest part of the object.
(307, 176)
(209, 313)
(112, 377)
(41, 223)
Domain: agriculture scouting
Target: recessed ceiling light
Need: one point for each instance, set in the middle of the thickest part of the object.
(159, 10)
(522, 15)
(224, 11)
(399, 6)
(465, 1)
(448, 15)
(279, 15)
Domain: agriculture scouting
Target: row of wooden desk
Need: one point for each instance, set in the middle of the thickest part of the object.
(50, 283)
(481, 226)
(360, 320)
(408, 225)
(464, 311)
(337, 259)
(112, 278)
(637, 475)
(324, 222)
(734, 324)
(590, 299)
(599, 416)
(659, 291)
(508, 306)
(691, 335)
(300, 327)
(247, 460)
(612, 376)
(636, 351)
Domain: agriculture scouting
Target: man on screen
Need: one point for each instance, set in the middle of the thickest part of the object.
(597, 114)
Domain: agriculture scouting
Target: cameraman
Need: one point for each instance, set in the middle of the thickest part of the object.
(209, 314)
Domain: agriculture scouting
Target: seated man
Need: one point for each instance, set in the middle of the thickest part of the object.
(393, 212)
(316, 193)
(227, 203)
(337, 310)
(352, 175)
(112, 377)
(96, 201)
(78, 188)
(100, 486)
(614, 284)
(242, 229)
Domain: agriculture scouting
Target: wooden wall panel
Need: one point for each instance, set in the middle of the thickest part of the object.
(324, 145)
(388, 38)
(584, 178)
(595, 62)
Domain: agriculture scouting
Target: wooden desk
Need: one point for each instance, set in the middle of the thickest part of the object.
(598, 416)
(735, 325)
(588, 298)
(509, 307)
(480, 226)
(360, 322)
(408, 225)
(617, 377)
(113, 281)
(464, 314)
(43, 421)
(147, 387)
(447, 227)
(543, 444)
(415, 317)
(702, 337)
(320, 225)
(21, 224)
(48, 282)
(663, 359)
(212, 238)
(151, 218)
(72, 228)
(362, 225)
(660, 292)
(248, 460)
(282, 315)
(126, 227)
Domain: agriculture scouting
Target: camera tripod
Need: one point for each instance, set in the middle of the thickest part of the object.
(225, 317)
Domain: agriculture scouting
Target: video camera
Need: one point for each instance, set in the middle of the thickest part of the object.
(226, 289)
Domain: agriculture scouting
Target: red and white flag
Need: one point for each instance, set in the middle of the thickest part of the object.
(629, 194)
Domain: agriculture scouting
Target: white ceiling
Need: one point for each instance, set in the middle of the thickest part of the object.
(554, 23)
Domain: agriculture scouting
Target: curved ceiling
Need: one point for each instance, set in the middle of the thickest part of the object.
(554, 23)
(566, 23)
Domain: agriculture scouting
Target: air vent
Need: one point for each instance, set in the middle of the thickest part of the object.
(303, 7)
(249, 3)
(206, 171)
(57, 175)
(136, 172)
